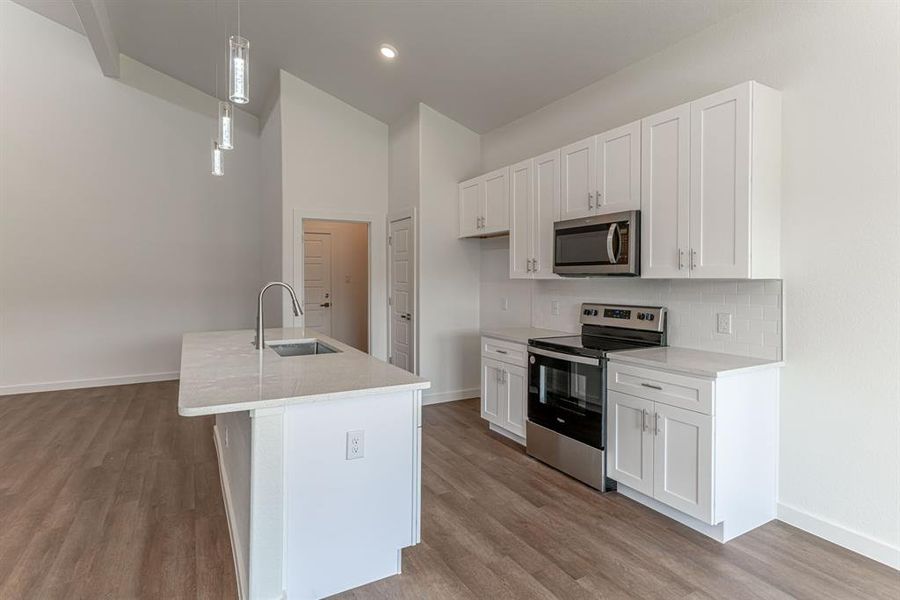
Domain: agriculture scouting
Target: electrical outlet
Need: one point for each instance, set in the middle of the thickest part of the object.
(504, 303)
(356, 444)
(554, 308)
(723, 323)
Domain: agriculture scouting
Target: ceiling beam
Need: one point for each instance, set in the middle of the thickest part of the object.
(98, 29)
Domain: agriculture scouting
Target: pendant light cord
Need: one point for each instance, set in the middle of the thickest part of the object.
(215, 35)
(239, 17)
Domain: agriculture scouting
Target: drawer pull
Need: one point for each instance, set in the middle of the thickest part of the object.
(501, 351)
(651, 386)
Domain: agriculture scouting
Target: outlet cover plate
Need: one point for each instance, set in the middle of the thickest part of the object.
(723, 323)
(356, 444)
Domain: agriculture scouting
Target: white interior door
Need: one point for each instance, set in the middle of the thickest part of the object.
(317, 282)
(402, 283)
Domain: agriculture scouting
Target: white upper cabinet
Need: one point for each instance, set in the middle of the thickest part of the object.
(520, 220)
(666, 193)
(577, 166)
(618, 169)
(484, 204)
(730, 226)
(496, 202)
(533, 205)
(470, 193)
(544, 212)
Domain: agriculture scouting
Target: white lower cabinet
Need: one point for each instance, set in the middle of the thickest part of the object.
(504, 387)
(711, 466)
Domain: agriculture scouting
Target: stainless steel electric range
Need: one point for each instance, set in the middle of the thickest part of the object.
(566, 425)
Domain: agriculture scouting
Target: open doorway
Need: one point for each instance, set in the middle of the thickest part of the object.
(336, 280)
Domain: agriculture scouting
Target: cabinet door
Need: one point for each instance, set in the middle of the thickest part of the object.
(490, 390)
(520, 201)
(470, 207)
(720, 184)
(618, 169)
(577, 166)
(665, 194)
(682, 462)
(496, 201)
(513, 395)
(544, 212)
(629, 444)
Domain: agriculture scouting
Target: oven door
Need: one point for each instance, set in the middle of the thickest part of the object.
(566, 394)
(601, 245)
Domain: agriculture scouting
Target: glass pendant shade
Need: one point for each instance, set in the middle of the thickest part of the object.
(238, 69)
(226, 125)
(217, 167)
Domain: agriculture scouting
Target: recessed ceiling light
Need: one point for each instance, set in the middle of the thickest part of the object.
(388, 51)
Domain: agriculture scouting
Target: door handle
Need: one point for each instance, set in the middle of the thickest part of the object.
(325, 304)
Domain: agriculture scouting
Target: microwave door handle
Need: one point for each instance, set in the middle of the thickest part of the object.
(613, 231)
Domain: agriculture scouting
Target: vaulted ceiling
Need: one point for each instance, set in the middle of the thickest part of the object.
(483, 63)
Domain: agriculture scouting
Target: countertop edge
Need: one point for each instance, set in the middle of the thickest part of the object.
(501, 334)
(248, 405)
(632, 360)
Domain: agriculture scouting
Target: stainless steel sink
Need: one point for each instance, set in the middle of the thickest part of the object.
(302, 348)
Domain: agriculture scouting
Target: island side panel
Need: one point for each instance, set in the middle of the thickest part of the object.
(267, 504)
(232, 436)
(347, 519)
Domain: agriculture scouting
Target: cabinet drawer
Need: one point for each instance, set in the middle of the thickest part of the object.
(508, 352)
(667, 388)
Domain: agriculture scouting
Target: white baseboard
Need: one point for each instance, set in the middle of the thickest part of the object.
(429, 397)
(72, 384)
(507, 434)
(229, 515)
(860, 543)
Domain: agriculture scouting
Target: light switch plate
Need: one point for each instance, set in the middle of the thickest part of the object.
(723, 323)
(504, 303)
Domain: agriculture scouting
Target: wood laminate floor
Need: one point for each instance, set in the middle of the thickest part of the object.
(107, 493)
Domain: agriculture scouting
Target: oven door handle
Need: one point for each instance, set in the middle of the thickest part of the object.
(582, 360)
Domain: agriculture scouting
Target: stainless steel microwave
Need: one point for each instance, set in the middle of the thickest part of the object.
(600, 245)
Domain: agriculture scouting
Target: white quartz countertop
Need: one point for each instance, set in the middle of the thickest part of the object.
(222, 372)
(521, 335)
(692, 362)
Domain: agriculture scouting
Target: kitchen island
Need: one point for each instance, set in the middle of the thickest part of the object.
(319, 457)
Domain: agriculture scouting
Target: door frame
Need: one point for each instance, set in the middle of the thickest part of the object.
(399, 215)
(293, 265)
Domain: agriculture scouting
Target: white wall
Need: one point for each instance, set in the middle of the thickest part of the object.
(836, 64)
(449, 267)
(271, 212)
(114, 237)
(335, 166)
(404, 162)
(349, 279)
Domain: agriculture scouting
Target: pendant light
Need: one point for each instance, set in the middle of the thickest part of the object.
(226, 125)
(238, 65)
(218, 169)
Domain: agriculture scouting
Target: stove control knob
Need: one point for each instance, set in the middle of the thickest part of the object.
(586, 312)
(594, 312)
(650, 316)
(640, 316)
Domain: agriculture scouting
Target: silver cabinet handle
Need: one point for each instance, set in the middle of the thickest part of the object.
(590, 200)
(655, 423)
(528, 265)
(599, 198)
(680, 259)
(644, 419)
(613, 232)
(693, 258)
(650, 385)
(534, 265)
